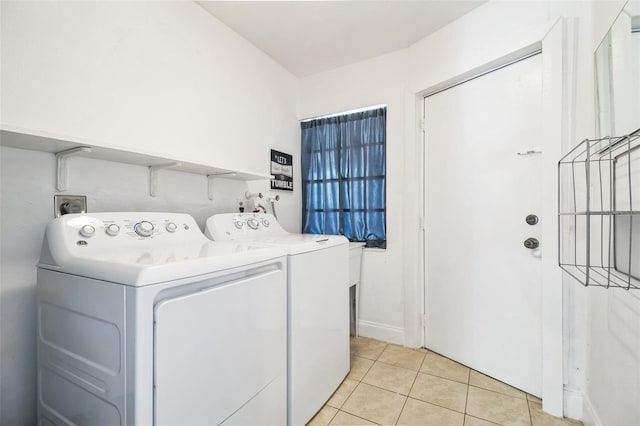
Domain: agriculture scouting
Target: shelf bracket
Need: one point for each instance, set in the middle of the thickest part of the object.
(153, 176)
(61, 165)
(210, 179)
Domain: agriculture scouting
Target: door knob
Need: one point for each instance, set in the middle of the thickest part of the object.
(531, 243)
(532, 219)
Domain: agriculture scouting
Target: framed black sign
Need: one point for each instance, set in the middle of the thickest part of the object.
(282, 171)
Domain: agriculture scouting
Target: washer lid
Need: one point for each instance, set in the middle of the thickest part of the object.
(294, 244)
(264, 229)
(107, 246)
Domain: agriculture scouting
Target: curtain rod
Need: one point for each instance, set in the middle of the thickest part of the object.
(344, 112)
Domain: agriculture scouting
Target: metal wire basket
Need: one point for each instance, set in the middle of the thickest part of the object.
(599, 217)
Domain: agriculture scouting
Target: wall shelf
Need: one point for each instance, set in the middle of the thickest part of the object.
(599, 220)
(64, 147)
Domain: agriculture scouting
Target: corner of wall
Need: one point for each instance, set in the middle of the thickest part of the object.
(590, 415)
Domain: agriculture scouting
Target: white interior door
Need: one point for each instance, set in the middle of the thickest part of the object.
(482, 286)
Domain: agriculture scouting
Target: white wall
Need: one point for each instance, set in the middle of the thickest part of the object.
(381, 80)
(161, 77)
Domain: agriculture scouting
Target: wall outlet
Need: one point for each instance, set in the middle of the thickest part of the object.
(241, 206)
(64, 204)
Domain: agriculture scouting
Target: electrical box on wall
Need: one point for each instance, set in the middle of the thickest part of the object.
(64, 204)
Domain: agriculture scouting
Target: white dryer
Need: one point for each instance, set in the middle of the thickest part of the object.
(317, 305)
(144, 321)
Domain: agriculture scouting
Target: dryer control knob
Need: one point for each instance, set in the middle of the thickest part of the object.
(171, 227)
(87, 231)
(144, 228)
(238, 224)
(265, 223)
(112, 229)
(253, 223)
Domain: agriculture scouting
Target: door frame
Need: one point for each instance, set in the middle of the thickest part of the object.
(557, 85)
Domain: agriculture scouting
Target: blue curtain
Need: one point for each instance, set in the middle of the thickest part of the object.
(343, 176)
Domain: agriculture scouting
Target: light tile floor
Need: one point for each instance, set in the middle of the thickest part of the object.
(390, 385)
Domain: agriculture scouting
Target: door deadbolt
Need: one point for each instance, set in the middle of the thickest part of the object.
(532, 219)
(531, 243)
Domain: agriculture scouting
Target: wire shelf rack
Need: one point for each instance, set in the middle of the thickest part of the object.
(599, 215)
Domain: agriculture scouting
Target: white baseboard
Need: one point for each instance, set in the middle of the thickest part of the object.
(573, 404)
(386, 333)
(590, 416)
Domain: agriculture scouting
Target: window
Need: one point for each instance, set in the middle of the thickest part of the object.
(344, 176)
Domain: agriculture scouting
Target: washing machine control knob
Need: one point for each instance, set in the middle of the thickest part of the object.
(265, 223)
(87, 231)
(144, 228)
(171, 227)
(112, 229)
(253, 223)
(238, 224)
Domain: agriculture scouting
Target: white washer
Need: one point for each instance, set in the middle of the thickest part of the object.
(317, 306)
(144, 321)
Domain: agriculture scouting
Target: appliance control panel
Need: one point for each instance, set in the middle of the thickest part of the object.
(121, 230)
(139, 248)
(231, 226)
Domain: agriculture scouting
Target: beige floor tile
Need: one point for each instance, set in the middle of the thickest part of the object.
(422, 413)
(534, 399)
(342, 393)
(359, 367)
(437, 365)
(345, 419)
(437, 390)
(323, 417)
(367, 348)
(374, 404)
(497, 407)
(474, 421)
(403, 357)
(485, 382)
(389, 377)
(540, 418)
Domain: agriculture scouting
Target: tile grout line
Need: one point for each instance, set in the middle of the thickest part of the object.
(442, 377)
(364, 375)
(397, 393)
(499, 393)
(355, 415)
(466, 399)
(360, 417)
(383, 349)
(410, 389)
(529, 410)
(484, 420)
(332, 417)
(398, 366)
(436, 405)
(358, 385)
(346, 397)
(498, 381)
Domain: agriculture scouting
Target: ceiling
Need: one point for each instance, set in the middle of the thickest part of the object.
(308, 37)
